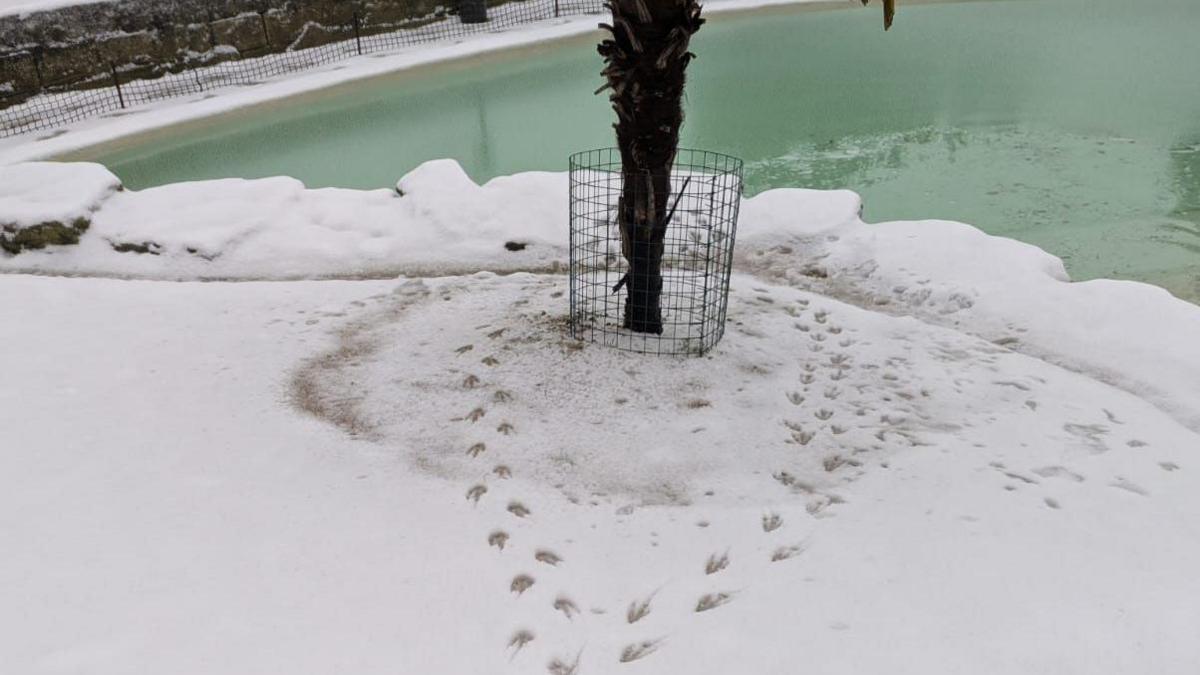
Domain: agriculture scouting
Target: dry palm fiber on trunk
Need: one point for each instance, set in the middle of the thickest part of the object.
(889, 12)
(646, 59)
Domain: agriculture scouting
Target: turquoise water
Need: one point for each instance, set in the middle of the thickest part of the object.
(1070, 124)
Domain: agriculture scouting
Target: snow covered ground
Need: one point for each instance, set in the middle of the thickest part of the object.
(979, 511)
(919, 449)
(438, 221)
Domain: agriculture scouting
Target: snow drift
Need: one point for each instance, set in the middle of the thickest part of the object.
(438, 221)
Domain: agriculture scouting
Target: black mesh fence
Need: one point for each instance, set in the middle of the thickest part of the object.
(696, 254)
(50, 105)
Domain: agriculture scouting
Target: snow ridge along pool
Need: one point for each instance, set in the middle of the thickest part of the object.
(1027, 118)
(438, 221)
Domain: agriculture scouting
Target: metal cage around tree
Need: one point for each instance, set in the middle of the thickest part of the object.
(696, 256)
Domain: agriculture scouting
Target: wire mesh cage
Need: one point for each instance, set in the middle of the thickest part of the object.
(611, 301)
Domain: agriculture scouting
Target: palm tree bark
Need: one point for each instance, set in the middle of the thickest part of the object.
(646, 59)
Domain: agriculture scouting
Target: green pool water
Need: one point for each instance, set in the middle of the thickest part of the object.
(1070, 124)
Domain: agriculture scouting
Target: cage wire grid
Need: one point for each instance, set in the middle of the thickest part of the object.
(705, 195)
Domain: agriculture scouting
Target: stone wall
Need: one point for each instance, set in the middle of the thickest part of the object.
(77, 46)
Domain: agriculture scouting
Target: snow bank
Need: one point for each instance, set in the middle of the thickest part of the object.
(49, 192)
(439, 221)
(1134, 335)
(8, 7)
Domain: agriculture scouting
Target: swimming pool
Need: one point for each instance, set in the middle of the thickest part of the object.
(1070, 124)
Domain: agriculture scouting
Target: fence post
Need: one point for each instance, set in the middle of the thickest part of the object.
(472, 11)
(37, 67)
(212, 33)
(112, 68)
(357, 34)
(262, 19)
(556, 9)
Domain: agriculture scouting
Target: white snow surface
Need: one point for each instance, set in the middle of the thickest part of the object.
(958, 507)
(49, 192)
(918, 449)
(275, 228)
(29, 6)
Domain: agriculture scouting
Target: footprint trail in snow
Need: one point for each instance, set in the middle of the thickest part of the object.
(590, 469)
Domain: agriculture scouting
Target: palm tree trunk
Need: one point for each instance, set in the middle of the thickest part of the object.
(646, 60)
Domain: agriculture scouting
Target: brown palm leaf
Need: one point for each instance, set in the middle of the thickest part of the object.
(889, 12)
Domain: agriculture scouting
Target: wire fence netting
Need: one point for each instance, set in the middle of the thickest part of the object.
(50, 105)
(693, 259)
